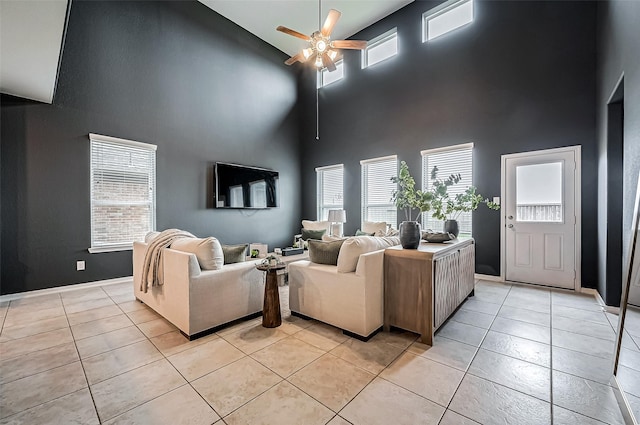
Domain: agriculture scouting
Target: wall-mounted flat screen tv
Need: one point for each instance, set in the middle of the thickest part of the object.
(240, 186)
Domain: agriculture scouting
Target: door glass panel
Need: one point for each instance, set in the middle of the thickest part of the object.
(539, 192)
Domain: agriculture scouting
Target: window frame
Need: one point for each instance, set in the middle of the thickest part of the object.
(377, 41)
(426, 179)
(119, 144)
(320, 78)
(441, 10)
(320, 205)
(364, 205)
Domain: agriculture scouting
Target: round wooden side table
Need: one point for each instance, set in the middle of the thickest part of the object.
(271, 317)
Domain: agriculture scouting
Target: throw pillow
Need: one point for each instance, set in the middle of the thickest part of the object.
(361, 233)
(321, 252)
(208, 251)
(312, 234)
(234, 253)
(352, 248)
(379, 228)
(317, 225)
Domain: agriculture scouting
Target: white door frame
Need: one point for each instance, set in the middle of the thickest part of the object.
(578, 208)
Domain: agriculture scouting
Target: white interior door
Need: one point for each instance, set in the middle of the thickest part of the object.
(540, 217)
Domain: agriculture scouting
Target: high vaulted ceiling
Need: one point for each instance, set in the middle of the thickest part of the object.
(31, 32)
(261, 17)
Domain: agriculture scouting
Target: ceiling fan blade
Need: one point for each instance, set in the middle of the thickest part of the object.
(293, 33)
(328, 63)
(349, 44)
(330, 22)
(296, 58)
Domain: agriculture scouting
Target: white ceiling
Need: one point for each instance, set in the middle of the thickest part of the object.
(30, 41)
(261, 17)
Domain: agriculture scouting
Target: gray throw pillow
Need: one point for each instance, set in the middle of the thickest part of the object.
(361, 233)
(234, 253)
(321, 252)
(312, 234)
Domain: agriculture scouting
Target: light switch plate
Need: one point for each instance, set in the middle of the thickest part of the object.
(80, 265)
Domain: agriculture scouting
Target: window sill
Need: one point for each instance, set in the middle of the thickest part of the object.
(110, 249)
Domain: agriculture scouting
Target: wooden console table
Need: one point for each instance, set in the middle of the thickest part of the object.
(423, 286)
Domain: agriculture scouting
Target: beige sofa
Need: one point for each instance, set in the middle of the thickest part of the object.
(196, 300)
(349, 295)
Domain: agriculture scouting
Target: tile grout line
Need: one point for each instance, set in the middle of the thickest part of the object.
(477, 350)
(93, 401)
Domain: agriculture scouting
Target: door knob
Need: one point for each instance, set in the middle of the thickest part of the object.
(510, 226)
(510, 217)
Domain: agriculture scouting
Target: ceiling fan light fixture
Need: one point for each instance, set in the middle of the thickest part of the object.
(321, 46)
(307, 52)
(318, 62)
(332, 54)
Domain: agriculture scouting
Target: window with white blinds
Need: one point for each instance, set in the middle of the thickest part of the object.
(380, 48)
(123, 179)
(377, 189)
(330, 189)
(450, 160)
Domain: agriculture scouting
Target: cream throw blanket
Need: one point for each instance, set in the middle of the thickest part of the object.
(152, 273)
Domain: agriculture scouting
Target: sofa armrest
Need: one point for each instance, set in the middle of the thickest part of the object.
(371, 265)
(180, 264)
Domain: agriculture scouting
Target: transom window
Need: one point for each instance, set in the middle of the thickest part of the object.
(380, 48)
(123, 179)
(446, 17)
(449, 160)
(377, 189)
(330, 189)
(325, 77)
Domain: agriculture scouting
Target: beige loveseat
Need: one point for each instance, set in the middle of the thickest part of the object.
(349, 295)
(197, 300)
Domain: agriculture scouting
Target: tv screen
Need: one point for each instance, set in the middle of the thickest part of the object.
(239, 186)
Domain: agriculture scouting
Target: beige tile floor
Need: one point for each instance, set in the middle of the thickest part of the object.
(510, 355)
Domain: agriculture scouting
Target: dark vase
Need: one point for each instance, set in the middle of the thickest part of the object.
(410, 234)
(451, 226)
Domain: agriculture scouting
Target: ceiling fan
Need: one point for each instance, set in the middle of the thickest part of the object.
(321, 49)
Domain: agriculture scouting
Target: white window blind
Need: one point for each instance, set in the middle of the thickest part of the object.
(380, 48)
(123, 179)
(377, 189)
(330, 182)
(450, 160)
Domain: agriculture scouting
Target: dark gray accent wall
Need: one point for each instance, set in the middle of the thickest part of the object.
(174, 74)
(618, 47)
(520, 78)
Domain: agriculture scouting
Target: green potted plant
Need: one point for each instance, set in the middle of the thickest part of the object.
(448, 208)
(411, 201)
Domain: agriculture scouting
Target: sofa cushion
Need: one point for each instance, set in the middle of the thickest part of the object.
(353, 247)
(361, 233)
(321, 252)
(317, 225)
(378, 228)
(208, 251)
(312, 234)
(234, 253)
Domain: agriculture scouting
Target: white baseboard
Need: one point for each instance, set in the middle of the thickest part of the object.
(488, 277)
(66, 288)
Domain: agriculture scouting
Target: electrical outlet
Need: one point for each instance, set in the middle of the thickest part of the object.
(496, 200)
(79, 265)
